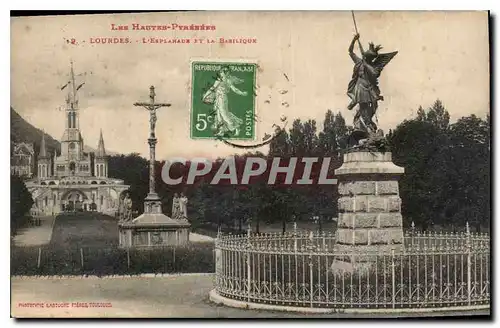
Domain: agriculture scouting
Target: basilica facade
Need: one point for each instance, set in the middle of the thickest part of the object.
(74, 180)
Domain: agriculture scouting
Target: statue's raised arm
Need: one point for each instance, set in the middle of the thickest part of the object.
(354, 57)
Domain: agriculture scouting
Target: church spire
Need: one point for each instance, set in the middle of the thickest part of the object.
(43, 147)
(72, 88)
(101, 152)
(73, 100)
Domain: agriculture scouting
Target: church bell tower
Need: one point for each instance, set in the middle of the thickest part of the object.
(73, 161)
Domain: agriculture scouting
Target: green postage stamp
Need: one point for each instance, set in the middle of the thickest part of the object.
(223, 100)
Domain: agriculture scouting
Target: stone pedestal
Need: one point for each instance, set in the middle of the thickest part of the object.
(153, 228)
(369, 220)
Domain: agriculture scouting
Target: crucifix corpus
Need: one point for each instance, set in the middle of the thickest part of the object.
(150, 205)
(151, 106)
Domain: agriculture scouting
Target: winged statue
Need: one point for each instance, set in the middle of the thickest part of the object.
(363, 88)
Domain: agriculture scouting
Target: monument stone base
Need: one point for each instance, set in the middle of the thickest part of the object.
(153, 228)
(369, 220)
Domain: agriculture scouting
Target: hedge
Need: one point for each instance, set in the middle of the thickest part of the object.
(49, 260)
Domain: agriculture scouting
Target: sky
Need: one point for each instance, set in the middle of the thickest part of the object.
(441, 55)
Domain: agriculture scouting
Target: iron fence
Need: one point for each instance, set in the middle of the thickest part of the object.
(303, 269)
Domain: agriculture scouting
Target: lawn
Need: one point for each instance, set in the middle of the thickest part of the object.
(84, 230)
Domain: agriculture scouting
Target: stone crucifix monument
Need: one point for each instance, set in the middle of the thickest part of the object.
(153, 228)
(369, 220)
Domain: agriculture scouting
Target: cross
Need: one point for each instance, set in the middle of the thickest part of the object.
(152, 107)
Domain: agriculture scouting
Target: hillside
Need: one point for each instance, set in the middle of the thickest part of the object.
(23, 131)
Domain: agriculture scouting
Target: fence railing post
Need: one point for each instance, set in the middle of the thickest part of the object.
(413, 235)
(310, 248)
(81, 256)
(128, 257)
(469, 257)
(295, 237)
(39, 257)
(173, 259)
(215, 259)
(249, 267)
(393, 267)
(216, 263)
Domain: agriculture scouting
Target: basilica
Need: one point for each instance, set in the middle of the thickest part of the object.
(74, 180)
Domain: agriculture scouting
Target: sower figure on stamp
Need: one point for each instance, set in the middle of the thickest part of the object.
(218, 96)
(363, 88)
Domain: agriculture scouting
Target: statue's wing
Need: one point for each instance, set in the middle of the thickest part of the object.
(383, 59)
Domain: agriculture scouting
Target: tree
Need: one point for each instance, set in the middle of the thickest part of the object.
(327, 140)
(332, 142)
(279, 145)
(420, 146)
(134, 171)
(446, 178)
(310, 138)
(470, 154)
(417, 146)
(437, 115)
(20, 203)
(297, 142)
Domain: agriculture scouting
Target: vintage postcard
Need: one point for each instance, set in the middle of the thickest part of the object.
(221, 164)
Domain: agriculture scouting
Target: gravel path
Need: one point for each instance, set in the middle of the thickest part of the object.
(36, 235)
(197, 238)
(181, 296)
(83, 229)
